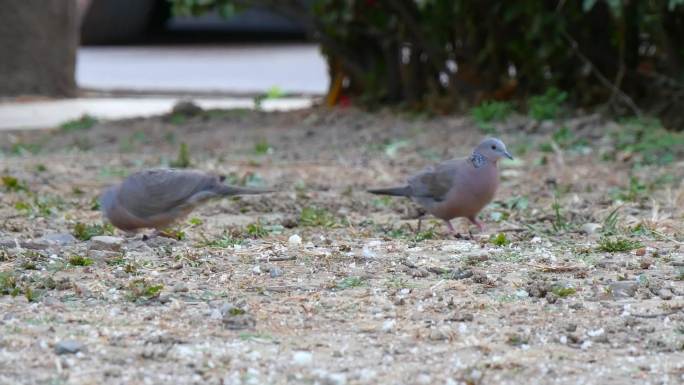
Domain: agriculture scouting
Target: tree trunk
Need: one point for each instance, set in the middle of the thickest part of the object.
(38, 41)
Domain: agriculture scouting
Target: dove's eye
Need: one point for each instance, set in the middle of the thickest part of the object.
(493, 147)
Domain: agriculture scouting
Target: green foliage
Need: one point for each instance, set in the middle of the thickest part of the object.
(79, 260)
(500, 240)
(85, 122)
(615, 245)
(425, 235)
(262, 147)
(609, 226)
(563, 291)
(559, 223)
(548, 105)
(316, 217)
(39, 205)
(141, 289)
(183, 159)
(444, 54)
(350, 282)
(8, 283)
(489, 112)
(13, 184)
(223, 242)
(647, 138)
(633, 192)
(84, 232)
(257, 230)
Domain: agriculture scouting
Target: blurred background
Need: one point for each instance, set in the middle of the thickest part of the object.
(124, 58)
(437, 56)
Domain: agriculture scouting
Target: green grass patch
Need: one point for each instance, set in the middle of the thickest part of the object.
(489, 112)
(84, 232)
(183, 158)
(261, 147)
(425, 235)
(548, 105)
(500, 240)
(563, 291)
(85, 122)
(350, 282)
(8, 284)
(141, 289)
(79, 260)
(647, 138)
(316, 217)
(223, 242)
(13, 184)
(616, 245)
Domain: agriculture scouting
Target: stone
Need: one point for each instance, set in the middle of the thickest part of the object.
(623, 289)
(275, 272)
(294, 240)
(68, 347)
(106, 242)
(179, 288)
(58, 239)
(665, 294)
(302, 358)
(591, 228)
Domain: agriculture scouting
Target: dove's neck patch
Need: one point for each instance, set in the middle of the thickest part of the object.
(478, 160)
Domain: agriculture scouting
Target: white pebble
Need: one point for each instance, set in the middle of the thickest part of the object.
(294, 240)
(389, 325)
(302, 358)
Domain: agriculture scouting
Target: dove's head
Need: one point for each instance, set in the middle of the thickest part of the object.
(493, 149)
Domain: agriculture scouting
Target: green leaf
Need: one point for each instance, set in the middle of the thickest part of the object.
(587, 5)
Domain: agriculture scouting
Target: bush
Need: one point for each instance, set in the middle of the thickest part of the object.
(447, 54)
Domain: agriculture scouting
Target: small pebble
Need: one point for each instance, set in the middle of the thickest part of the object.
(275, 272)
(294, 240)
(665, 294)
(389, 325)
(302, 358)
(180, 288)
(68, 347)
(106, 242)
(590, 228)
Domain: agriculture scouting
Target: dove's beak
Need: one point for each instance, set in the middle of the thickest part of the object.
(508, 155)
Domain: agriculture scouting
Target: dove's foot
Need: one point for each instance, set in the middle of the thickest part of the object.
(477, 223)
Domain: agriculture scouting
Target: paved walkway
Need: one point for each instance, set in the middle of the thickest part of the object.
(51, 113)
(294, 68)
(177, 71)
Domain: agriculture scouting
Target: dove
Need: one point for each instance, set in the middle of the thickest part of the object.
(457, 187)
(156, 198)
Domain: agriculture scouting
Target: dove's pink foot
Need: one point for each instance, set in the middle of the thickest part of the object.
(450, 227)
(477, 223)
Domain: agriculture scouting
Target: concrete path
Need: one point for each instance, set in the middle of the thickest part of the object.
(51, 113)
(177, 71)
(294, 68)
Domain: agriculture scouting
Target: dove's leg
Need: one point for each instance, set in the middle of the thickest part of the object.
(420, 223)
(450, 227)
(477, 223)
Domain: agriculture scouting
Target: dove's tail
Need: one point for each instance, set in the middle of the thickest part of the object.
(403, 191)
(228, 190)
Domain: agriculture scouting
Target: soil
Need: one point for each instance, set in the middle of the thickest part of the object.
(322, 283)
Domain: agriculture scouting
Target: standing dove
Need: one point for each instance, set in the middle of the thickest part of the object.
(156, 198)
(457, 187)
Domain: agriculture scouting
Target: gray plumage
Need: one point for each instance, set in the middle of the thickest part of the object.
(158, 197)
(458, 187)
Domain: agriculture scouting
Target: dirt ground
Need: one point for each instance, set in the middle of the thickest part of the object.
(577, 279)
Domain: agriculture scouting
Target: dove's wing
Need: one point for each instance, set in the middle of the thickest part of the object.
(434, 183)
(158, 191)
